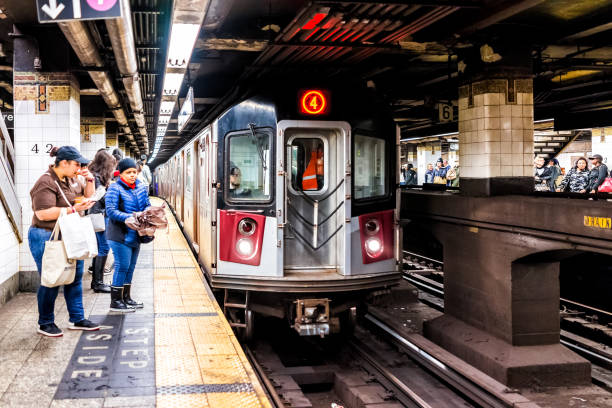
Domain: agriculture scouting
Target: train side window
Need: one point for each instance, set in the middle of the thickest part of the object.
(307, 160)
(249, 166)
(369, 178)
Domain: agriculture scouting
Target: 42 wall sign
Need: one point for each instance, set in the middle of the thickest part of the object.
(42, 148)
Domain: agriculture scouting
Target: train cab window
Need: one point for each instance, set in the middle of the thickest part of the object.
(307, 163)
(249, 166)
(369, 178)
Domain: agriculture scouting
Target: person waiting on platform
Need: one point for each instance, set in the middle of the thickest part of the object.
(101, 167)
(429, 174)
(439, 172)
(556, 176)
(598, 173)
(542, 175)
(236, 191)
(124, 199)
(577, 179)
(58, 188)
(411, 176)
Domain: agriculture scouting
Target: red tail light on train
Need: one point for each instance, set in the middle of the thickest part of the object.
(241, 237)
(376, 231)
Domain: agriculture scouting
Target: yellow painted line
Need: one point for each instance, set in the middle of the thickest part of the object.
(192, 350)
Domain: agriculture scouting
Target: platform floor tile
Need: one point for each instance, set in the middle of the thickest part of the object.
(179, 351)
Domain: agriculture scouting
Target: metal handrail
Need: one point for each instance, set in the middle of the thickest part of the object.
(8, 193)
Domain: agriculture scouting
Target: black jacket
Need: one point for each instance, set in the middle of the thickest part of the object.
(99, 207)
(597, 176)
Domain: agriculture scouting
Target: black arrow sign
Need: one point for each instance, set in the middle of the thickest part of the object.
(53, 11)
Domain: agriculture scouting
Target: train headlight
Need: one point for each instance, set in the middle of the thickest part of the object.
(373, 246)
(244, 247)
(247, 226)
(372, 226)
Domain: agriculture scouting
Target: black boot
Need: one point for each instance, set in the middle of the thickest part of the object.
(127, 298)
(117, 304)
(97, 278)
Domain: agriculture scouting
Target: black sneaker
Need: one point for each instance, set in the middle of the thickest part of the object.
(50, 330)
(84, 324)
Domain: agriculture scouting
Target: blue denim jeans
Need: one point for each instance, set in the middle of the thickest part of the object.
(73, 293)
(125, 262)
(103, 247)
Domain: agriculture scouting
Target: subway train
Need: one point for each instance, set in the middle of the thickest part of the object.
(290, 200)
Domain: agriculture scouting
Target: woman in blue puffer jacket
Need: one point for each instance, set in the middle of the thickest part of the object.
(123, 199)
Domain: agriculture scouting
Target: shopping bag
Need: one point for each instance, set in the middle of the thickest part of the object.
(57, 269)
(98, 222)
(439, 180)
(606, 186)
(78, 234)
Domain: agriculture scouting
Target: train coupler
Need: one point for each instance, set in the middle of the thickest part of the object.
(312, 318)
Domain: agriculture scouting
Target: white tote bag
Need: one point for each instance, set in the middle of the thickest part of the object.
(98, 222)
(78, 234)
(57, 269)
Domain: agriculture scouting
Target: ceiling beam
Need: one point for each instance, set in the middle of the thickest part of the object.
(496, 14)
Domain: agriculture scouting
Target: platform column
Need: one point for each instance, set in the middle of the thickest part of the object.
(496, 136)
(47, 114)
(93, 136)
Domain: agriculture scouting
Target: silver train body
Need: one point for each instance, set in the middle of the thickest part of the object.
(268, 242)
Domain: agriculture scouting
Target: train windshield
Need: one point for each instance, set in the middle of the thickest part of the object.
(249, 165)
(369, 179)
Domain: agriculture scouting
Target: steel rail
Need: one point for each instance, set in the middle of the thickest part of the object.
(455, 379)
(411, 397)
(269, 389)
(418, 256)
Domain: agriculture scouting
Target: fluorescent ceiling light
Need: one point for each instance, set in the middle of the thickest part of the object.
(166, 107)
(163, 119)
(172, 83)
(182, 40)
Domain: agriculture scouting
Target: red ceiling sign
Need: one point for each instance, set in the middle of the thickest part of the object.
(314, 102)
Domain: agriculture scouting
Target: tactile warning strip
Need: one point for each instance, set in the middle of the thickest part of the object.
(204, 388)
(199, 361)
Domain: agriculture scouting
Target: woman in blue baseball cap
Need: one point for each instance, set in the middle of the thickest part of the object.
(48, 193)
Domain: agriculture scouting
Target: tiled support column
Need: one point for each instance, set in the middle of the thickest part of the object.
(496, 137)
(93, 136)
(47, 114)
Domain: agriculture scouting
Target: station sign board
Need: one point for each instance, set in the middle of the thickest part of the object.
(53, 11)
(187, 109)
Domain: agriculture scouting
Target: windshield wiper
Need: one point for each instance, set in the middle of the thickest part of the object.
(259, 149)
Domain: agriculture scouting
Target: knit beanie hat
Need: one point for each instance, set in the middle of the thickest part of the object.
(125, 164)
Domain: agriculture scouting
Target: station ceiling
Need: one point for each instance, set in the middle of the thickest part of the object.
(410, 51)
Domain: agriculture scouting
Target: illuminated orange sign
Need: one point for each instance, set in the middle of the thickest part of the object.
(314, 102)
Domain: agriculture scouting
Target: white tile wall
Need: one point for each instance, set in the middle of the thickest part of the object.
(35, 134)
(98, 141)
(496, 138)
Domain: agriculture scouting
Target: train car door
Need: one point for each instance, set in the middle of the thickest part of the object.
(188, 193)
(179, 186)
(203, 201)
(316, 196)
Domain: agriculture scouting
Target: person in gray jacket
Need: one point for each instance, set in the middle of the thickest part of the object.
(598, 173)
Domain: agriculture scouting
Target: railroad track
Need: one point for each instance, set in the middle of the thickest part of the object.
(435, 290)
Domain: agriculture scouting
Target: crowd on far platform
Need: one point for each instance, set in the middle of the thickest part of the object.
(443, 173)
(548, 175)
(581, 178)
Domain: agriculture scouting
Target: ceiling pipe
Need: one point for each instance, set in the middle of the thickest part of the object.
(121, 35)
(84, 47)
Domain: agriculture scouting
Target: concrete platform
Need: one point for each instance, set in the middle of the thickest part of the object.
(178, 351)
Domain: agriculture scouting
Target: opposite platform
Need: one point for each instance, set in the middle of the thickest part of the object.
(179, 351)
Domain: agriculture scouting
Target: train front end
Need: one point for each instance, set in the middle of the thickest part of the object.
(307, 213)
